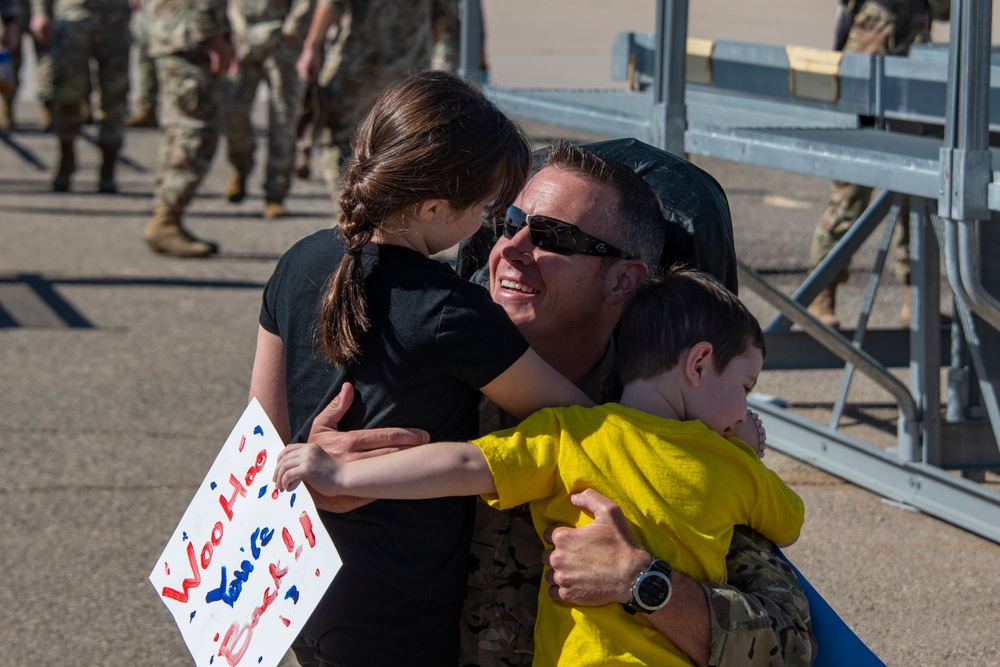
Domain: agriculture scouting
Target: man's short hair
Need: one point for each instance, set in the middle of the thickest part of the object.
(638, 227)
(675, 312)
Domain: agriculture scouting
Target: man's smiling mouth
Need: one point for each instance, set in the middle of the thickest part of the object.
(517, 287)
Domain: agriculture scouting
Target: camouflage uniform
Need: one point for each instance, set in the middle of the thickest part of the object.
(85, 30)
(190, 94)
(386, 41)
(145, 68)
(445, 52)
(258, 30)
(882, 27)
(760, 616)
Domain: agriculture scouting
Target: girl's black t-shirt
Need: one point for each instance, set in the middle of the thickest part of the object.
(434, 340)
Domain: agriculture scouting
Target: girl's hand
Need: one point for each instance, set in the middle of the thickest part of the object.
(306, 462)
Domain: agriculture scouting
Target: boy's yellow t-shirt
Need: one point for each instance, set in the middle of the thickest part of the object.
(681, 486)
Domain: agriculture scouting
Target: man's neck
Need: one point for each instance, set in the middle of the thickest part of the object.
(574, 361)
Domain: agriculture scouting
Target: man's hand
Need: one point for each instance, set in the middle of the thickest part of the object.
(309, 62)
(221, 57)
(353, 445)
(595, 564)
(41, 27)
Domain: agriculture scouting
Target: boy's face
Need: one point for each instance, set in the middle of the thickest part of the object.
(721, 400)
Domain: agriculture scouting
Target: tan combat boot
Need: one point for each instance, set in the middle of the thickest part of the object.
(67, 165)
(274, 209)
(106, 184)
(904, 313)
(824, 306)
(142, 117)
(236, 189)
(165, 235)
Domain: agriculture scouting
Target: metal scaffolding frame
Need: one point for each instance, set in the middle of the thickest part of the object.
(773, 107)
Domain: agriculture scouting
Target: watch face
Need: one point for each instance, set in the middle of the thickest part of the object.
(653, 590)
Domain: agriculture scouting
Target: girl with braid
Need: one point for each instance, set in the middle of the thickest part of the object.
(364, 303)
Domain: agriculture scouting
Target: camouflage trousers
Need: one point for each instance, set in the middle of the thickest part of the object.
(145, 68)
(277, 68)
(191, 116)
(103, 39)
(505, 572)
(847, 202)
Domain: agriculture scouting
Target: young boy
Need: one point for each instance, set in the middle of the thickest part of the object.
(689, 353)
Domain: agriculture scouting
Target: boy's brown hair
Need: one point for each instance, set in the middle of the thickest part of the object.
(671, 314)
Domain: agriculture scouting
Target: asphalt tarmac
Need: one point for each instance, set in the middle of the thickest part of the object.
(122, 372)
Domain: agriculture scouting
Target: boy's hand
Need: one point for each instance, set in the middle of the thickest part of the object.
(305, 462)
(751, 431)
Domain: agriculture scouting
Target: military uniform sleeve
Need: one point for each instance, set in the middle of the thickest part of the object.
(762, 616)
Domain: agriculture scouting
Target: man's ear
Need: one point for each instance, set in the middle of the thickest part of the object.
(625, 277)
(696, 362)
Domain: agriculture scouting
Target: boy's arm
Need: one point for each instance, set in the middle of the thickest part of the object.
(432, 471)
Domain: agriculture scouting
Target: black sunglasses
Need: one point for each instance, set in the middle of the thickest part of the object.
(556, 236)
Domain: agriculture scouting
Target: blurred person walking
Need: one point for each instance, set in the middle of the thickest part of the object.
(871, 27)
(385, 41)
(268, 36)
(82, 32)
(190, 43)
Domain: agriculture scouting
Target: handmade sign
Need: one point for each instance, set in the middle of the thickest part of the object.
(247, 565)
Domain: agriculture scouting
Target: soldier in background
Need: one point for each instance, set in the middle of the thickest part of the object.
(268, 36)
(385, 42)
(82, 31)
(145, 72)
(871, 27)
(190, 43)
(43, 68)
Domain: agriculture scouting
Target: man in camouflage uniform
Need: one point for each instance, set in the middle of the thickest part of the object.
(189, 41)
(145, 72)
(268, 35)
(871, 27)
(386, 41)
(761, 617)
(43, 69)
(83, 31)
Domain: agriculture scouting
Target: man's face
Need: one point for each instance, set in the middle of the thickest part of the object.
(547, 295)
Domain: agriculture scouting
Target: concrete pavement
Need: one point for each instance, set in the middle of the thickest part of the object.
(122, 372)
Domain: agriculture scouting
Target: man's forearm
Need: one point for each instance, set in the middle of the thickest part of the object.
(323, 17)
(685, 620)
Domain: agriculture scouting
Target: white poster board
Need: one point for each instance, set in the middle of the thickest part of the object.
(247, 565)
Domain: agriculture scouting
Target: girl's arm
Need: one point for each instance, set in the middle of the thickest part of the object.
(432, 471)
(530, 384)
(267, 381)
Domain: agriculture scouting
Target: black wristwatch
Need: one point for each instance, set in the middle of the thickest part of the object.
(652, 589)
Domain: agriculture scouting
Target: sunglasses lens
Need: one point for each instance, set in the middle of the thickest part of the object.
(546, 236)
(513, 222)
